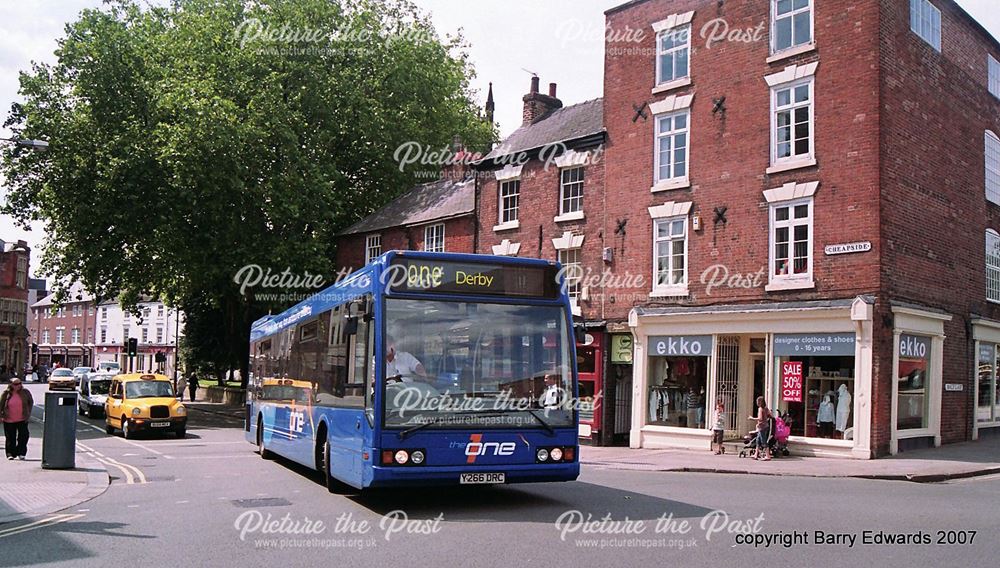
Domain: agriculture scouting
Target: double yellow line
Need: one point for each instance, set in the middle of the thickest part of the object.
(133, 475)
(39, 524)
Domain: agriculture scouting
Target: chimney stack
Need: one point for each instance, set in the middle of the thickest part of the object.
(537, 105)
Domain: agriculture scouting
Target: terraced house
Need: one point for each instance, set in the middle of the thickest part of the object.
(815, 207)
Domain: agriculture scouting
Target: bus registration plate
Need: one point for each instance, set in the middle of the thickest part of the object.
(481, 478)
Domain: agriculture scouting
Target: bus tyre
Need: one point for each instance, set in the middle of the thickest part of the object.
(264, 453)
(333, 485)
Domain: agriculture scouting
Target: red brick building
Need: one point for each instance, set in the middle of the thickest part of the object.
(14, 349)
(805, 211)
(437, 216)
(64, 334)
(541, 194)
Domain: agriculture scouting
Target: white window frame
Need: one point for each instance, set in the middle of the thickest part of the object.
(373, 247)
(434, 238)
(60, 335)
(45, 336)
(673, 289)
(793, 160)
(104, 335)
(159, 335)
(145, 335)
(75, 335)
(22, 272)
(993, 75)
(573, 277)
(790, 281)
(925, 21)
(508, 215)
(991, 154)
(992, 266)
(657, 136)
(575, 186)
(661, 53)
(791, 15)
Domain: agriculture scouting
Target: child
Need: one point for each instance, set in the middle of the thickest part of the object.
(719, 428)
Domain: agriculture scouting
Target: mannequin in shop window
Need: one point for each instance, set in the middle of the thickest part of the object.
(826, 417)
(843, 408)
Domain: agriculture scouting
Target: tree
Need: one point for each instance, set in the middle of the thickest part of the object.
(189, 141)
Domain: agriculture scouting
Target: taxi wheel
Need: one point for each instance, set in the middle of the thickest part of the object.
(109, 428)
(182, 432)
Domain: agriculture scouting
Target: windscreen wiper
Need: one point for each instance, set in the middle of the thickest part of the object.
(439, 419)
(546, 425)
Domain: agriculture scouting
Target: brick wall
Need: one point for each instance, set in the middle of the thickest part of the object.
(935, 214)
(729, 154)
(459, 236)
(539, 205)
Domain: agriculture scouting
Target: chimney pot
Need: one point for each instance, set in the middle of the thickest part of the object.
(552, 90)
(534, 84)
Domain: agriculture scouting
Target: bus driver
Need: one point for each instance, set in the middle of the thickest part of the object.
(400, 365)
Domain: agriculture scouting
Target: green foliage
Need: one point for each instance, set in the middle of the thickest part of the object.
(187, 142)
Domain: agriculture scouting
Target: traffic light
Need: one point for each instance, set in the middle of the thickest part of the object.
(161, 357)
(133, 346)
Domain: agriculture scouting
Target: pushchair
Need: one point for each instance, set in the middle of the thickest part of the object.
(777, 440)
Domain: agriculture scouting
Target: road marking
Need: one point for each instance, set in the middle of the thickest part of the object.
(131, 472)
(148, 449)
(138, 472)
(42, 523)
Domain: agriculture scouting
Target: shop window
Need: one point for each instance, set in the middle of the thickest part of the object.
(989, 395)
(912, 374)
(585, 360)
(677, 391)
(587, 390)
(823, 406)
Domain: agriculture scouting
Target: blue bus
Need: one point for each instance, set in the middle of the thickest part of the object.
(422, 369)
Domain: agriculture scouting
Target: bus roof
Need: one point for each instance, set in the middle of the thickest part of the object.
(359, 283)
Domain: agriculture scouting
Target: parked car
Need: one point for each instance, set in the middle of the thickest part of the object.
(144, 402)
(80, 373)
(62, 379)
(110, 366)
(94, 393)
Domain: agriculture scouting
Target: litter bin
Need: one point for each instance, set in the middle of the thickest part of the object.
(59, 437)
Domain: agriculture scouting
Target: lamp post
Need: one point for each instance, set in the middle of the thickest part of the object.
(31, 144)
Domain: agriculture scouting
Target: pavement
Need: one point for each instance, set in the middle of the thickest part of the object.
(27, 490)
(948, 462)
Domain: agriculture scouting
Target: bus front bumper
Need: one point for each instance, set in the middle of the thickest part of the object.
(388, 476)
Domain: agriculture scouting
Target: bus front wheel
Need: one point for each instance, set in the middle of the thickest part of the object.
(333, 485)
(264, 452)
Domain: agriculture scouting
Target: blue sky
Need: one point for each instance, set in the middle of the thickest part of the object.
(560, 40)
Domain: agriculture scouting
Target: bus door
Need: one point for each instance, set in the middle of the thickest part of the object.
(350, 431)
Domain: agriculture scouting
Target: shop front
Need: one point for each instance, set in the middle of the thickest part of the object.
(590, 369)
(918, 353)
(986, 334)
(811, 361)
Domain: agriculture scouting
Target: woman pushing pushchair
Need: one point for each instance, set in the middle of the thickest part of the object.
(765, 430)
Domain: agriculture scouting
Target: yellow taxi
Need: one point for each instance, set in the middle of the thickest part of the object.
(289, 390)
(144, 402)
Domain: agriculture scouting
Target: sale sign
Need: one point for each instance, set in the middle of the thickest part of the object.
(791, 381)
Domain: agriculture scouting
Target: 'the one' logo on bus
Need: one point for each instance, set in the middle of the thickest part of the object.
(476, 447)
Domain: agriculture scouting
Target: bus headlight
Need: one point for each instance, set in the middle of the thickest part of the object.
(542, 454)
(555, 454)
(402, 457)
(417, 457)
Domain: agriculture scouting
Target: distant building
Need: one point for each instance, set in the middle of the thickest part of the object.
(14, 259)
(82, 332)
